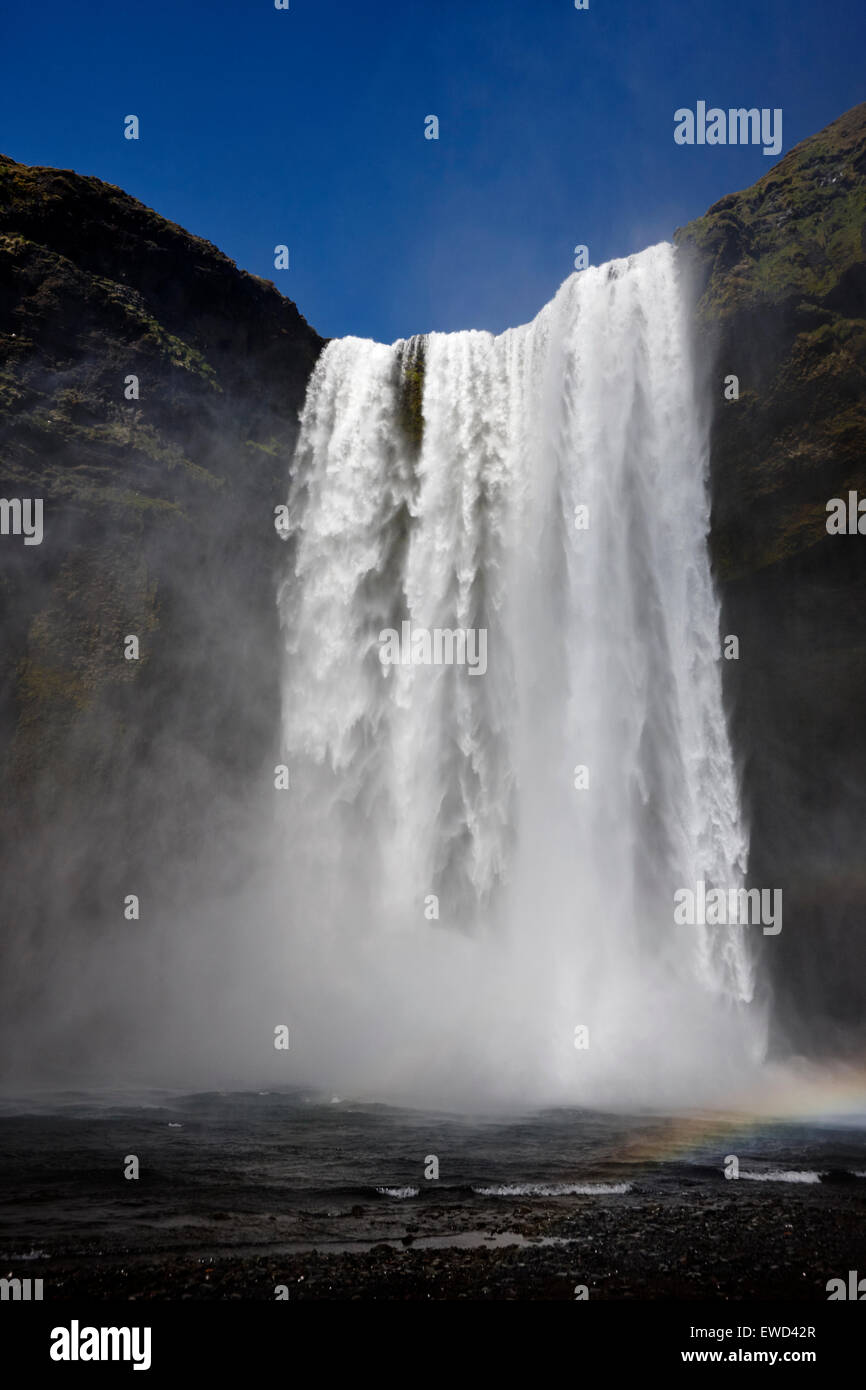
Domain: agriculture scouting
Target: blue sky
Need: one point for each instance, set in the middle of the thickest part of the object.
(306, 127)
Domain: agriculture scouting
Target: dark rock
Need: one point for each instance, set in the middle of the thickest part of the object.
(781, 279)
(158, 521)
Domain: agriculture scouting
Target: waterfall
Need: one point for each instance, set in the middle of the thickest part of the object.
(481, 863)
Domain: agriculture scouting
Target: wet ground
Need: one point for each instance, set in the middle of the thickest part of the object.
(302, 1197)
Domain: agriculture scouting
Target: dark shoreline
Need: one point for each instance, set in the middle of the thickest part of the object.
(767, 1245)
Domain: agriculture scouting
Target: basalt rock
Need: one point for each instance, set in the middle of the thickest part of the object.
(781, 286)
(158, 522)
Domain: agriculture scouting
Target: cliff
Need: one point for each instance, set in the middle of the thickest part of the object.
(158, 523)
(781, 286)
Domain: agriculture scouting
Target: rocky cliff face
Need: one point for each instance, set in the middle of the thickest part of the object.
(781, 280)
(158, 523)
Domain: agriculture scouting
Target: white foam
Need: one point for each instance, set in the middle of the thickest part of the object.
(555, 1189)
(782, 1175)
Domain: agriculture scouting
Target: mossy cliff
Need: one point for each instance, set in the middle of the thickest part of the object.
(158, 522)
(412, 360)
(780, 279)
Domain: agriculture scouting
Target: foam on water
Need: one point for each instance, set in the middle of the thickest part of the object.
(555, 1189)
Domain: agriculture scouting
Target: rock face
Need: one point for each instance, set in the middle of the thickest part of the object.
(158, 523)
(781, 279)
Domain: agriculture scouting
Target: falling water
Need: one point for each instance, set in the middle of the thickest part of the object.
(460, 898)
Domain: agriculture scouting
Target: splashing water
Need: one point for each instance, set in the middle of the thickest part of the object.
(555, 901)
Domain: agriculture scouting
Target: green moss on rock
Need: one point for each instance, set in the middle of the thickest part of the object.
(781, 304)
(410, 415)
